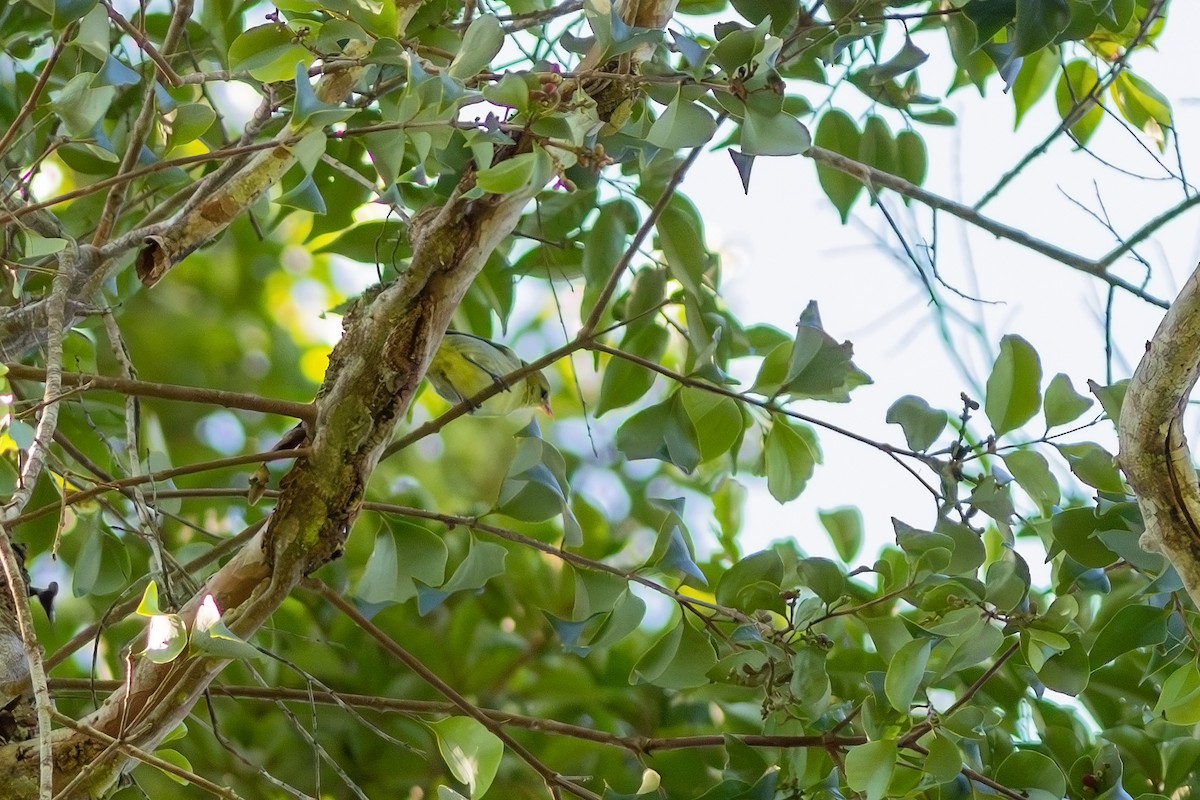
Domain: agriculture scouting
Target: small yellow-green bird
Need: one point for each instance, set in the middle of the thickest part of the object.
(464, 365)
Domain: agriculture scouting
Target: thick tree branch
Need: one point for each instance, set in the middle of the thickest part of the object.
(1154, 452)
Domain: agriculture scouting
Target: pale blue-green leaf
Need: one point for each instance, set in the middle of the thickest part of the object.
(845, 529)
(270, 53)
(1062, 403)
(683, 124)
(471, 751)
(480, 44)
(869, 767)
(1013, 392)
(922, 424)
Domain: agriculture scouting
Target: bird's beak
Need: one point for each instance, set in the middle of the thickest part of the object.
(545, 406)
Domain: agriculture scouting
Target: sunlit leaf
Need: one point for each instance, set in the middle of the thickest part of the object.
(1013, 393)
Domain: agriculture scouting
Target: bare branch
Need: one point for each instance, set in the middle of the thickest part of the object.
(877, 178)
(167, 391)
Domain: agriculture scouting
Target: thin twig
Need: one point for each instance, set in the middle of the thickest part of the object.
(35, 459)
(1079, 107)
(148, 758)
(618, 270)
(191, 469)
(876, 178)
(143, 44)
(551, 777)
(38, 88)
(170, 391)
(575, 559)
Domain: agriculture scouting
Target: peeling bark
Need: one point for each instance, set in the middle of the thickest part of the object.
(210, 213)
(1154, 452)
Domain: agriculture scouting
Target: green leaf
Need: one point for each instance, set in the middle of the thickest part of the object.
(790, 453)
(869, 767)
(908, 58)
(187, 123)
(929, 551)
(67, 11)
(1130, 628)
(626, 616)
(1037, 73)
(680, 659)
(1073, 531)
(1077, 81)
(663, 431)
(81, 107)
(484, 561)
(1013, 393)
(38, 246)
(845, 528)
(967, 551)
(1007, 581)
(1111, 397)
(905, 672)
(211, 636)
(604, 242)
(311, 113)
(625, 381)
(938, 116)
(673, 547)
(944, 761)
(753, 583)
(271, 53)
(877, 148)
(389, 578)
(772, 134)
(148, 607)
(814, 366)
(681, 239)
(646, 295)
(718, 421)
(912, 162)
(1068, 671)
(471, 751)
(166, 638)
(684, 123)
(103, 565)
(737, 46)
(989, 17)
(1033, 774)
(177, 759)
(922, 424)
(380, 581)
(837, 132)
(115, 73)
(1038, 22)
(1033, 475)
(1179, 700)
(809, 684)
(480, 44)
(509, 175)
(376, 241)
(1063, 404)
(824, 577)
(1093, 465)
(305, 196)
(1145, 107)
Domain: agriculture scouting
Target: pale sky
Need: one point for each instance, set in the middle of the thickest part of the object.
(784, 245)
